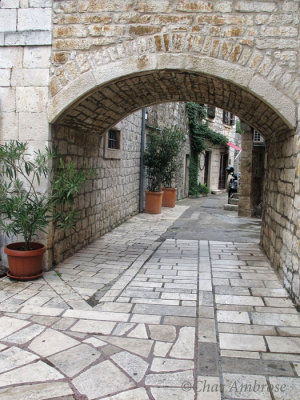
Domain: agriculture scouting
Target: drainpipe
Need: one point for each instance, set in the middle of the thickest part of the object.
(141, 198)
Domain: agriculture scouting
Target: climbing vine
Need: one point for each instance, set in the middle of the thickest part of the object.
(200, 135)
(238, 127)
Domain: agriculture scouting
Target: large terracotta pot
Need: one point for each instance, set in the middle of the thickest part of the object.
(153, 202)
(25, 264)
(169, 197)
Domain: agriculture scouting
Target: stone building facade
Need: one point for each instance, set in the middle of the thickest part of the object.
(87, 64)
(214, 161)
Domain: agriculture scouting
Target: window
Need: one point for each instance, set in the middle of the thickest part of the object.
(112, 144)
(113, 139)
(211, 112)
(257, 137)
(228, 118)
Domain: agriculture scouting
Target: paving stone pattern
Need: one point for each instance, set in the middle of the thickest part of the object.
(184, 319)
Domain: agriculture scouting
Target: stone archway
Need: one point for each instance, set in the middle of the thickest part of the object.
(111, 58)
(98, 99)
(127, 85)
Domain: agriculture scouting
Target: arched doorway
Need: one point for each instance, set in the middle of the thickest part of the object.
(90, 106)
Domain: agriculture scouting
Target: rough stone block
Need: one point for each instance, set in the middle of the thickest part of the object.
(280, 31)
(9, 126)
(10, 57)
(195, 6)
(223, 6)
(290, 6)
(8, 99)
(37, 57)
(40, 3)
(32, 19)
(71, 31)
(276, 43)
(143, 30)
(9, 3)
(231, 207)
(255, 6)
(30, 77)
(8, 20)
(4, 77)
(29, 38)
(104, 5)
(155, 6)
(30, 99)
(33, 126)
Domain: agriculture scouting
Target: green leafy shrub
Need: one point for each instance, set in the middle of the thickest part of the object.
(238, 128)
(25, 208)
(203, 189)
(154, 162)
(171, 144)
(161, 156)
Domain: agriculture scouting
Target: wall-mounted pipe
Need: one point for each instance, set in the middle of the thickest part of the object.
(143, 133)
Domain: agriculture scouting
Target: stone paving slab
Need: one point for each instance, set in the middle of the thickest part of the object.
(178, 319)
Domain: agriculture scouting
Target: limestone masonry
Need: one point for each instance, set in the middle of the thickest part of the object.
(81, 66)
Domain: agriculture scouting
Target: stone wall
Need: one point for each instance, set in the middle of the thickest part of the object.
(252, 44)
(258, 172)
(25, 53)
(110, 58)
(252, 191)
(245, 188)
(108, 198)
(259, 34)
(280, 229)
(168, 115)
(296, 216)
(280, 232)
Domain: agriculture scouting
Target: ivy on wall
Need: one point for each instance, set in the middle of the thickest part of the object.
(200, 135)
(238, 127)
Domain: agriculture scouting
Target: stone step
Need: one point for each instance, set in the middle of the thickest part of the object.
(235, 195)
(231, 207)
(233, 201)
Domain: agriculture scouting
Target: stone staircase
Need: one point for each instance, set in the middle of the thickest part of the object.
(233, 204)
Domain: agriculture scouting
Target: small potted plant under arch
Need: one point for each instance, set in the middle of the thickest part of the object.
(154, 164)
(172, 141)
(26, 209)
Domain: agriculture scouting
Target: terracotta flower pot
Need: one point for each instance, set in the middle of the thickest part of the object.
(24, 264)
(169, 197)
(153, 202)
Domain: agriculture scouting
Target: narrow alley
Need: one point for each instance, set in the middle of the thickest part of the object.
(181, 305)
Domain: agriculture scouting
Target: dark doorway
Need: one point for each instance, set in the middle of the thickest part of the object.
(222, 173)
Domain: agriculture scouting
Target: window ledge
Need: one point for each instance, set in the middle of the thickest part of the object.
(112, 154)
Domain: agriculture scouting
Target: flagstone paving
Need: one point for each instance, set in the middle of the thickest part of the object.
(163, 318)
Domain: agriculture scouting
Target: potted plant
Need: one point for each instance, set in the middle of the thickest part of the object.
(154, 163)
(26, 209)
(172, 141)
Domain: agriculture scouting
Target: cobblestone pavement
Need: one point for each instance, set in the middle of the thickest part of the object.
(135, 316)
